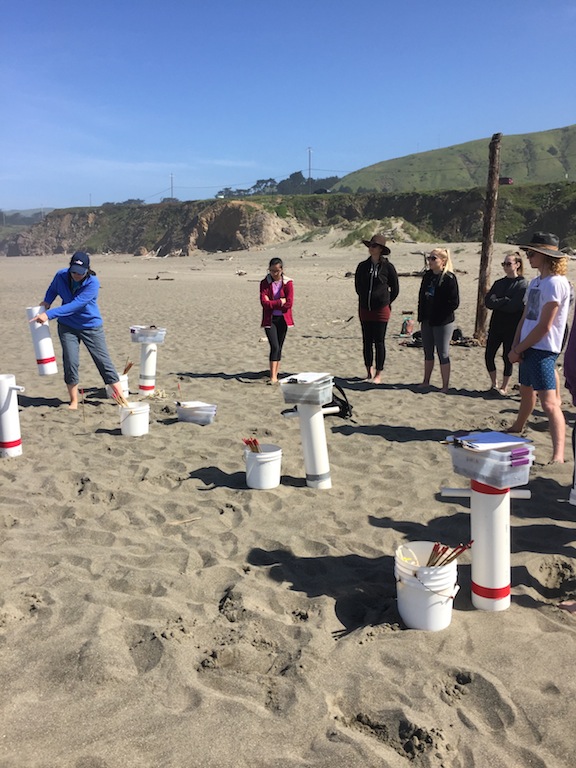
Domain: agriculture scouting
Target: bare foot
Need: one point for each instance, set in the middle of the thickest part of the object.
(512, 430)
(568, 605)
(424, 385)
(73, 407)
(376, 380)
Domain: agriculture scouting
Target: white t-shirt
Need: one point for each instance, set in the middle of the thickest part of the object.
(541, 291)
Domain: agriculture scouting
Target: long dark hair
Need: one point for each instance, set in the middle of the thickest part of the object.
(275, 261)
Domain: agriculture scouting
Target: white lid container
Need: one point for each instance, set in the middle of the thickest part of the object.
(308, 388)
(147, 334)
(499, 473)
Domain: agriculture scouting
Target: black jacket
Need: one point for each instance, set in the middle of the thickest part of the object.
(506, 298)
(376, 285)
(438, 301)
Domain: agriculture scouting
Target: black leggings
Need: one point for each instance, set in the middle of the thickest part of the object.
(276, 335)
(373, 335)
(504, 336)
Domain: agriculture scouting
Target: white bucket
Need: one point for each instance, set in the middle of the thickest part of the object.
(134, 419)
(123, 379)
(263, 469)
(425, 594)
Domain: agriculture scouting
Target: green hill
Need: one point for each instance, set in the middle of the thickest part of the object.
(530, 158)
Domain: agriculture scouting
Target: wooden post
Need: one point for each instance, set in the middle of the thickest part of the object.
(487, 237)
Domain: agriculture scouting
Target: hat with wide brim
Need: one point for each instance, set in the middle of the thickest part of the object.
(378, 240)
(544, 242)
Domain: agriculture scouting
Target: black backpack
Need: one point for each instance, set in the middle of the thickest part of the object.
(345, 409)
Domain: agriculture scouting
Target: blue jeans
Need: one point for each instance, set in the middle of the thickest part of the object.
(95, 343)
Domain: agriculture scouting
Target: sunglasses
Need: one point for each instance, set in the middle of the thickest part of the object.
(508, 263)
(374, 245)
(432, 258)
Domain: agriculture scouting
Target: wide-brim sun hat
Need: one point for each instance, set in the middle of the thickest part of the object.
(378, 240)
(544, 242)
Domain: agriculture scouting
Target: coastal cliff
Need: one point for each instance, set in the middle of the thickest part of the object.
(182, 228)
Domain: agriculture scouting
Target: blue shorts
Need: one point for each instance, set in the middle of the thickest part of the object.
(538, 369)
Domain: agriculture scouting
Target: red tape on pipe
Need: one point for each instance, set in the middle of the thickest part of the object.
(487, 489)
(491, 594)
(11, 443)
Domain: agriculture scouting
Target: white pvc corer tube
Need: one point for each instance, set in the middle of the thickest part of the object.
(315, 449)
(42, 340)
(490, 533)
(10, 435)
(147, 380)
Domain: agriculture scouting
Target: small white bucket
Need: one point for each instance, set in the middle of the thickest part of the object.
(425, 593)
(263, 469)
(123, 379)
(134, 419)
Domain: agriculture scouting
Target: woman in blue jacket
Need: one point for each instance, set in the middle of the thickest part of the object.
(79, 320)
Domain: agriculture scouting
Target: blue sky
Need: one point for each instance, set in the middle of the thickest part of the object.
(120, 99)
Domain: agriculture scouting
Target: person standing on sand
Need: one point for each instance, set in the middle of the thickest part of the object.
(506, 300)
(570, 374)
(79, 320)
(539, 336)
(438, 299)
(377, 286)
(276, 298)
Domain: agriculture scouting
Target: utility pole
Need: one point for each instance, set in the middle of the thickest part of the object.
(309, 170)
(172, 186)
(487, 236)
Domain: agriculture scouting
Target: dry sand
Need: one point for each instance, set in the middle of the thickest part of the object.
(155, 612)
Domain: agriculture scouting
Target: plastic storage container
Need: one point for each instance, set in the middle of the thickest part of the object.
(500, 468)
(307, 388)
(147, 334)
(196, 412)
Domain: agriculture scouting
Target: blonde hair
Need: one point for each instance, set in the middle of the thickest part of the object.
(444, 254)
(557, 266)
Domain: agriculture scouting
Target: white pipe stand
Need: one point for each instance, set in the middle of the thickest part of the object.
(147, 380)
(314, 446)
(10, 435)
(42, 340)
(490, 534)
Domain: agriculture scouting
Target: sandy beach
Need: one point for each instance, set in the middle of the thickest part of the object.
(157, 613)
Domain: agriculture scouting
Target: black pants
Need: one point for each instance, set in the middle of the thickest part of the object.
(276, 335)
(504, 336)
(373, 335)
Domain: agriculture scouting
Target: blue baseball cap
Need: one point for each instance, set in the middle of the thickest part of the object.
(80, 263)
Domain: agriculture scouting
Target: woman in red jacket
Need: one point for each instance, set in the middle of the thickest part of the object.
(276, 297)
